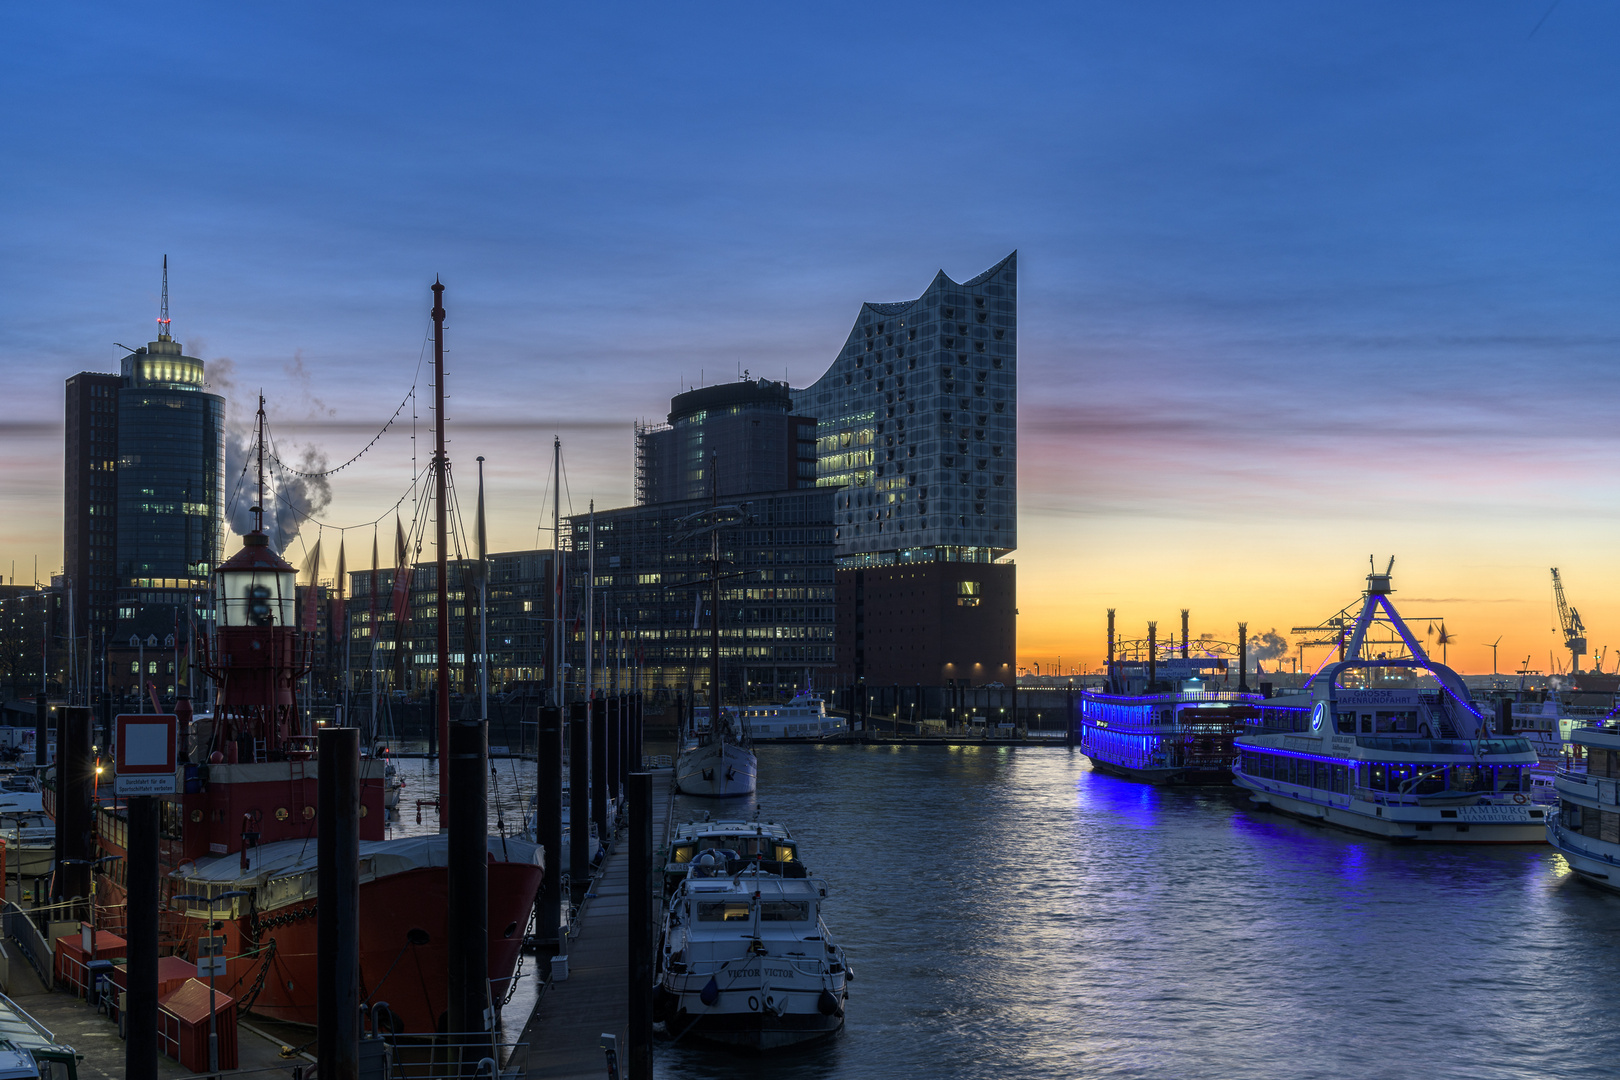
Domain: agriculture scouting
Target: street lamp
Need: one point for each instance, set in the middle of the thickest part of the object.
(215, 962)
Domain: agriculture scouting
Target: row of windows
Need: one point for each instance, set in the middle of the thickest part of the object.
(1389, 777)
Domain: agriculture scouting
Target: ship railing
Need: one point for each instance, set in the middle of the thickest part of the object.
(1171, 697)
(657, 761)
(453, 1056)
(1383, 798)
(21, 928)
(802, 965)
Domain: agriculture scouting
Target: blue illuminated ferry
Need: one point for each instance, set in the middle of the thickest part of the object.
(1364, 748)
(1169, 722)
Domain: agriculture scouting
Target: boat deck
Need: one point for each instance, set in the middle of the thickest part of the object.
(565, 1030)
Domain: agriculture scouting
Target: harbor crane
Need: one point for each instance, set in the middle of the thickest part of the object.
(1569, 620)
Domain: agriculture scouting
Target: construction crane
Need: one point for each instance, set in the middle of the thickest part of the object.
(1569, 620)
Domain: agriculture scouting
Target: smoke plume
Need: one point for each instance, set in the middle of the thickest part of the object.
(1267, 646)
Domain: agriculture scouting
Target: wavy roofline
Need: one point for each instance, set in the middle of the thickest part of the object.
(901, 306)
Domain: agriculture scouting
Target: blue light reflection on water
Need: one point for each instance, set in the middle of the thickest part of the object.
(1010, 913)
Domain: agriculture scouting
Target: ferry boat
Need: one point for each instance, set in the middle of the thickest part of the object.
(747, 960)
(749, 840)
(805, 717)
(1586, 828)
(1165, 723)
(1397, 762)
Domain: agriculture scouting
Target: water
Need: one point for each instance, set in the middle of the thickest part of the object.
(1010, 913)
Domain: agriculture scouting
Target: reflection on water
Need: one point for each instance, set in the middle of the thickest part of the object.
(1011, 914)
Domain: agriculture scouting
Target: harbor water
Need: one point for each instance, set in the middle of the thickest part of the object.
(1010, 913)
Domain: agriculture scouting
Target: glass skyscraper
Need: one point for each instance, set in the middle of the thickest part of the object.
(171, 472)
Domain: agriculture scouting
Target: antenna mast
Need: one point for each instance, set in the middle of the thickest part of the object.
(163, 314)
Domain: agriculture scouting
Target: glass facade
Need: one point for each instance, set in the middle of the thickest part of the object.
(776, 614)
(918, 420)
(170, 468)
(744, 432)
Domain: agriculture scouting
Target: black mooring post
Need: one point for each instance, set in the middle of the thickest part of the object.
(60, 821)
(599, 805)
(141, 913)
(638, 735)
(638, 791)
(1070, 721)
(469, 888)
(548, 824)
(337, 916)
(623, 756)
(76, 793)
(579, 799)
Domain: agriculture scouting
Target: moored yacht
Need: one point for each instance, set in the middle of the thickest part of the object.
(747, 960)
(1396, 761)
(1586, 828)
(805, 717)
(718, 761)
(748, 839)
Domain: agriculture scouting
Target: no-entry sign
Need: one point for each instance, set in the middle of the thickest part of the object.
(144, 763)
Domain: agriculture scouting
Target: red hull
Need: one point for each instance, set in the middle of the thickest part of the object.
(410, 978)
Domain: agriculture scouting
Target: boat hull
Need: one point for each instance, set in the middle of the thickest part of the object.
(410, 978)
(719, 770)
(1595, 861)
(757, 1030)
(1180, 777)
(1418, 824)
(753, 1013)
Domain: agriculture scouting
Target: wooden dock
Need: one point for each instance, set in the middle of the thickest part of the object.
(564, 1033)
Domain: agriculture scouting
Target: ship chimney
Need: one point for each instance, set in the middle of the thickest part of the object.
(1153, 655)
(1243, 657)
(1110, 668)
(1184, 633)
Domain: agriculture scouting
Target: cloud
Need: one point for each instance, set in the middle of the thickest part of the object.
(1267, 646)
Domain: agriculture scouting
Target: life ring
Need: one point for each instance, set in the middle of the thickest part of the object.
(1520, 798)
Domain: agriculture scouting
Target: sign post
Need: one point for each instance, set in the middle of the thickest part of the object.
(144, 766)
(145, 760)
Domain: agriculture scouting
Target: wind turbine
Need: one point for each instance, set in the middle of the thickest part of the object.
(1492, 646)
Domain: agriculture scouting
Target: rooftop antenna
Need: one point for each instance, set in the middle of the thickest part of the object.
(163, 316)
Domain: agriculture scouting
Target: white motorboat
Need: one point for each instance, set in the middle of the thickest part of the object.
(748, 839)
(1586, 827)
(805, 717)
(1395, 761)
(747, 959)
(29, 835)
(717, 761)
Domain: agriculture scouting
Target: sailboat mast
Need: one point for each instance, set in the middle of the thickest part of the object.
(590, 607)
(714, 607)
(483, 601)
(557, 593)
(441, 535)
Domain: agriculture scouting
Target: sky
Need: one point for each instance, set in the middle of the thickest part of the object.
(1300, 282)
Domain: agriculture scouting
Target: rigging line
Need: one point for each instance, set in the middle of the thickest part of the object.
(374, 440)
(303, 516)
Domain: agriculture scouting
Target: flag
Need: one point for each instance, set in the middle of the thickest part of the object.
(312, 567)
(401, 598)
(336, 628)
(697, 604)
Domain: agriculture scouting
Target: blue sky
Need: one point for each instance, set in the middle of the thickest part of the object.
(1299, 281)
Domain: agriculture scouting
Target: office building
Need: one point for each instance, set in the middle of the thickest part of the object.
(742, 436)
(652, 597)
(917, 423)
(143, 496)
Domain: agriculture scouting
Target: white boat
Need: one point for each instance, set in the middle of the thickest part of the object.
(717, 763)
(1172, 723)
(805, 717)
(1393, 761)
(1586, 827)
(748, 839)
(29, 835)
(747, 960)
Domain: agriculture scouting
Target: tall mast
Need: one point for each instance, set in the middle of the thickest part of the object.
(714, 607)
(557, 593)
(258, 511)
(590, 607)
(441, 534)
(483, 602)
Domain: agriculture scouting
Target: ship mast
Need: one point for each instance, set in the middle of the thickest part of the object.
(440, 467)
